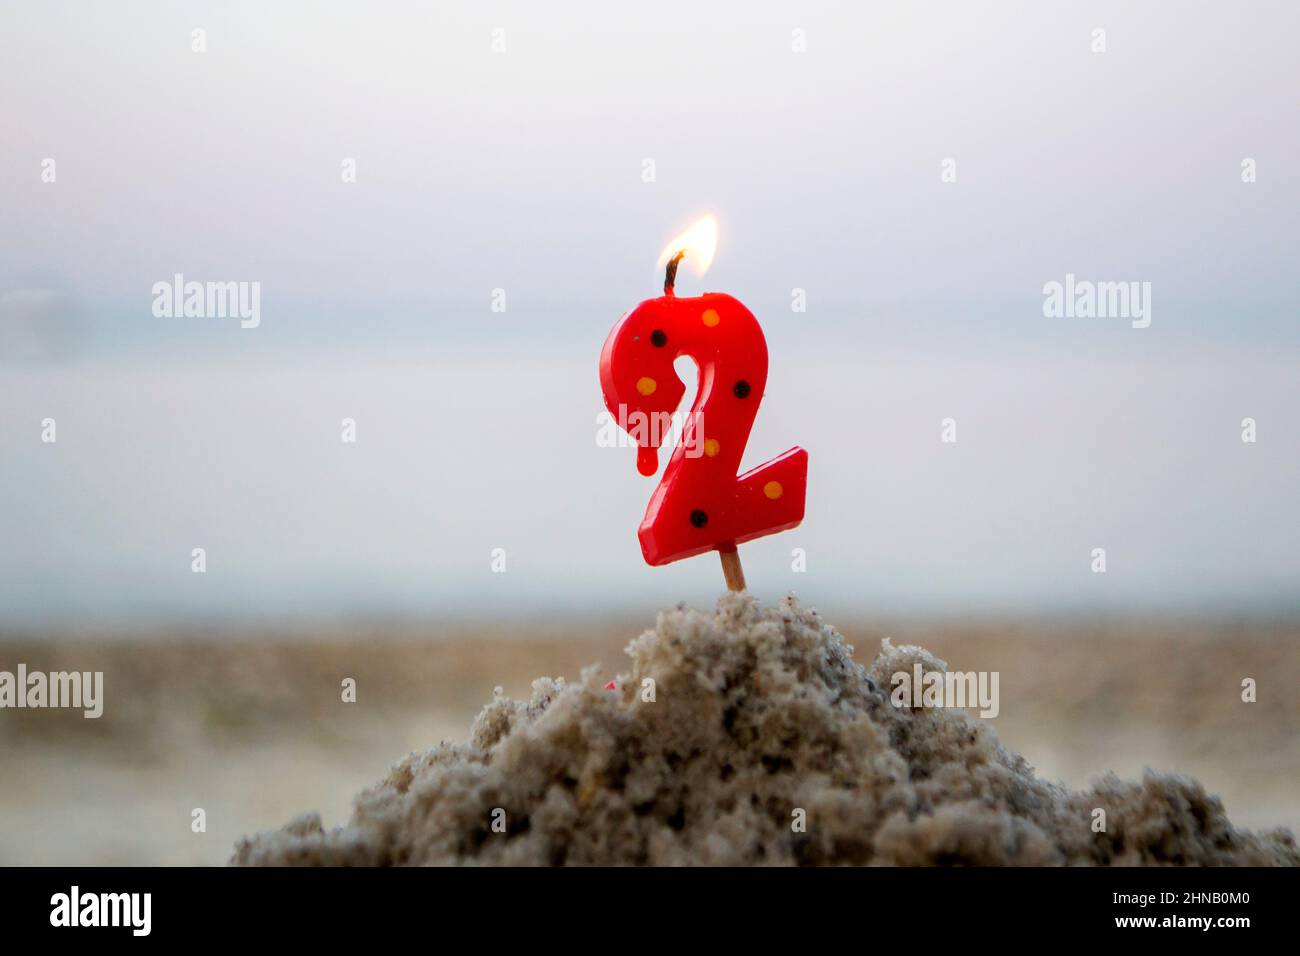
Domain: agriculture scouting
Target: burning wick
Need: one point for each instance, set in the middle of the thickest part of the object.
(670, 272)
(700, 240)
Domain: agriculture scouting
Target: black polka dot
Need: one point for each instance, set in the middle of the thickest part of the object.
(741, 389)
(658, 339)
(699, 518)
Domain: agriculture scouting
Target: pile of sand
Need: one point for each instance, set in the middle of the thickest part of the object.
(757, 714)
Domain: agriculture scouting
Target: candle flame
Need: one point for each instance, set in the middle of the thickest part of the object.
(697, 245)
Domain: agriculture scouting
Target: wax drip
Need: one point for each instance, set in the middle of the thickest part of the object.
(647, 460)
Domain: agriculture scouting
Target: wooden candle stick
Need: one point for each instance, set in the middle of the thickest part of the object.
(731, 569)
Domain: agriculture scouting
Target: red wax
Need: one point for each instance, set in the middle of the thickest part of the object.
(700, 504)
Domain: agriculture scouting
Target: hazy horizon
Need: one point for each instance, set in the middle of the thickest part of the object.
(524, 171)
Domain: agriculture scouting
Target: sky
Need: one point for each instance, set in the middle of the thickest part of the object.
(913, 174)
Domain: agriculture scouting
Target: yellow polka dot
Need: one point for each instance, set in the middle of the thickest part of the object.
(710, 317)
(773, 490)
(646, 385)
(711, 447)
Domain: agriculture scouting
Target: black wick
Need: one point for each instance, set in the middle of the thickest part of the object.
(670, 274)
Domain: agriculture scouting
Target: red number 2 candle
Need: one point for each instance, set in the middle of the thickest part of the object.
(701, 503)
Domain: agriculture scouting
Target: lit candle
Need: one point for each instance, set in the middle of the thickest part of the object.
(701, 504)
